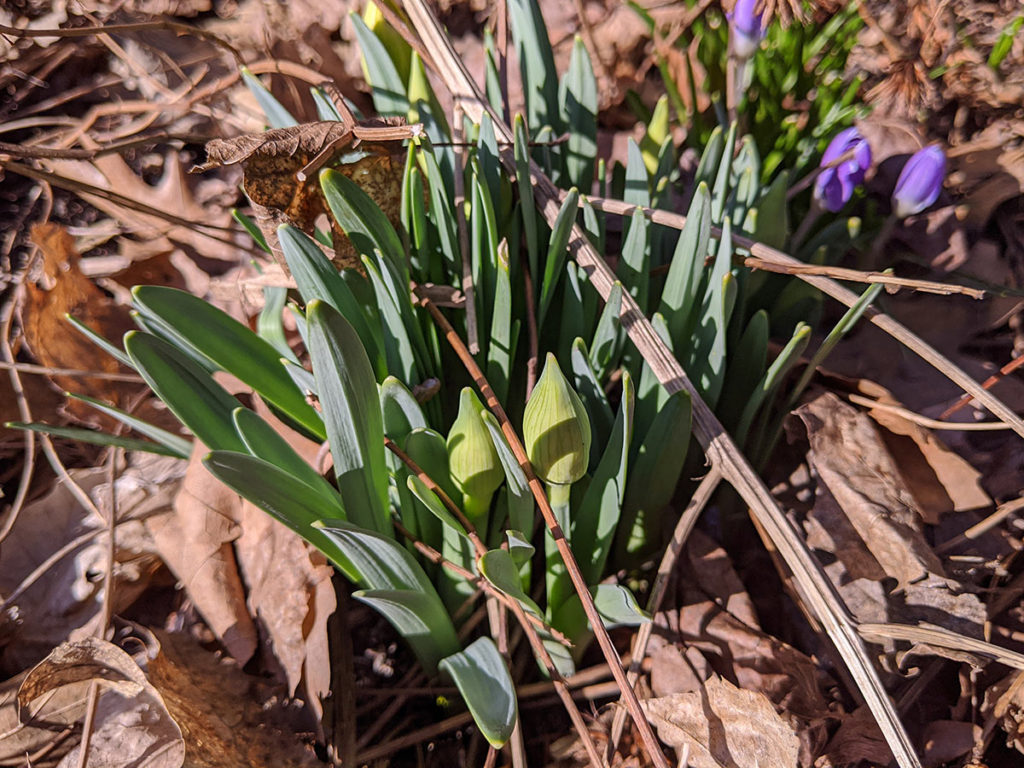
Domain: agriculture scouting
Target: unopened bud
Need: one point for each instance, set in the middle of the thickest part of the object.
(472, 458)
(556, 428)
(836, 182)
(920, 182)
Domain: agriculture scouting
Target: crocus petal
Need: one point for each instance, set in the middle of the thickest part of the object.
(746, 29)
(852, 171)
(920, 182)
(828, 189)
(841, 143)
(862, 154)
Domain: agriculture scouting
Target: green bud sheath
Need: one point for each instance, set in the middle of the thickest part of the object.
(556, 428)
(472, 458)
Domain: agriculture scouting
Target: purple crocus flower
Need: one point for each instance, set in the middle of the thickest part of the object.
(746, 28)
(920, 181)
(834, 185)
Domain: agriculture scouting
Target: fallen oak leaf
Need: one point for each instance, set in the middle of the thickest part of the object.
(165, 216)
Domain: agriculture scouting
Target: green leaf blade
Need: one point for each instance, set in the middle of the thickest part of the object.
(352, 415)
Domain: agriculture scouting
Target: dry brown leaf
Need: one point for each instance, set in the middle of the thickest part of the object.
(273, 159)
(675, 668)
(864, 479)
(132, 727)
(63, 289)
(250, 576)
(724, 727)
(864, 511)
(284, 578)
(713, 572)
(20, 739)
(64, 602)
(289, 586)
(857, 741)
(756, 660)
(939, 479)
(196, 543)
(224, 719)
(1005, 702)
(734, 647)
(288, 145)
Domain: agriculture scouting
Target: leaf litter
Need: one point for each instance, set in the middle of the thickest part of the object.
(884, 495)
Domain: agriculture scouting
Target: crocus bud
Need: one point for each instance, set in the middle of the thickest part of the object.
(920, 182)
(472, 458)
(556, 428)
(746, 29)
(834, 186)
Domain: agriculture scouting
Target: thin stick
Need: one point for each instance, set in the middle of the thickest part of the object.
(54, 153)
(682, 531)
(468, 289)
(29, 462)
(572, 567)
(106, 194)
(439, 492)
(476, 580)
(988, 383)
(924, 421)
(87, 723)
(792, 266)
(46, 370)
(1004, 511)
(942, 638)
(138, 26)
(384, 718)
(413, 738)
(496, 613)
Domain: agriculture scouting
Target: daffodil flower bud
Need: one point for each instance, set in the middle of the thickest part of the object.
(556, 428)
(745, 28)
(835, 184)
(920, 182)
(473, 461)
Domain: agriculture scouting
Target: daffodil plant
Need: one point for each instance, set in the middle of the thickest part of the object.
(421, 465)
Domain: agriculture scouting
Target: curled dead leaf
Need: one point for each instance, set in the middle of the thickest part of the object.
(280, 177)
(132, 726)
